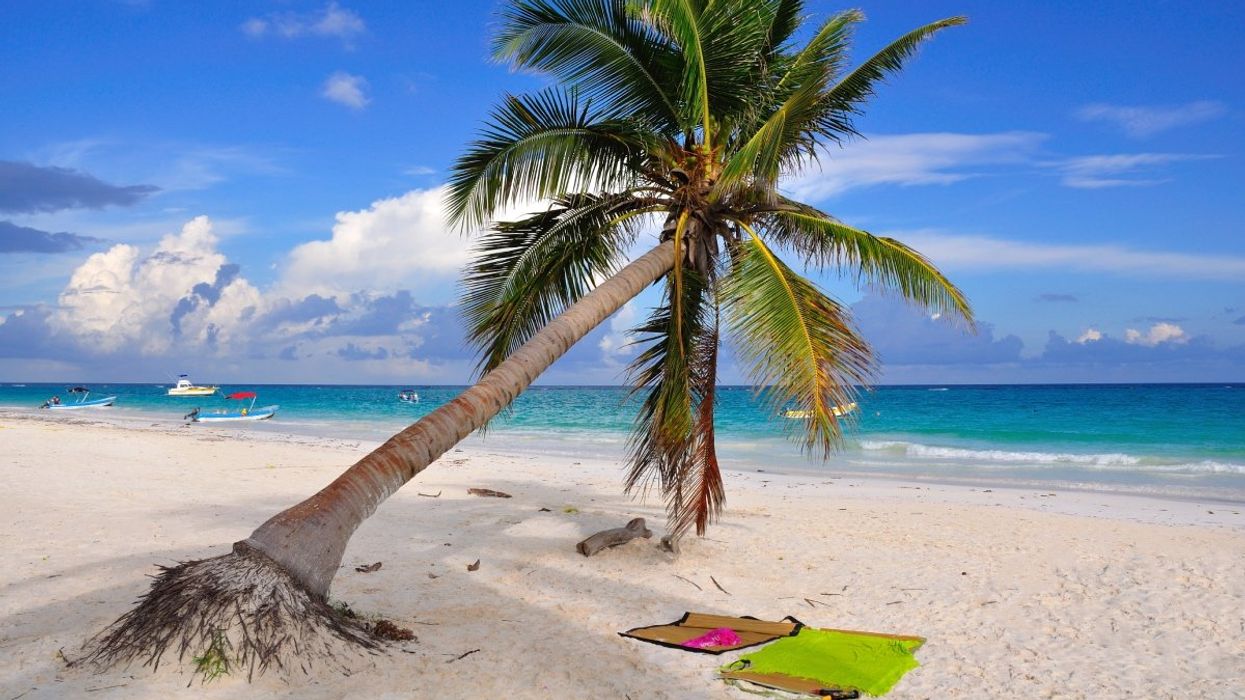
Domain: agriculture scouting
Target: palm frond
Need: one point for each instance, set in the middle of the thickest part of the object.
(680, 19)
(784, 20)
(524, 273)
(875, 260)
(539, 146)
(600, 49)
(702, 499)
(825, 54)
(798, 344)
(760, 160)
(723, 45)
(662, 441)
(846, 98)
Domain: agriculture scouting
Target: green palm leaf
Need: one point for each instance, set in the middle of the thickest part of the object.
(846, 98)
(796, 342)
(541, 146)
(524, 273)
(596, 47)
(876, 260)
(760, 160)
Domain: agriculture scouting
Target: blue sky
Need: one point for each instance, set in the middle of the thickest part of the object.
(249, 191)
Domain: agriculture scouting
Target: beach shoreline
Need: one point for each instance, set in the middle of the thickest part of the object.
(1020, 592)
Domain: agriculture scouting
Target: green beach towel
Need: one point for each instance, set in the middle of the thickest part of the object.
(841, 659)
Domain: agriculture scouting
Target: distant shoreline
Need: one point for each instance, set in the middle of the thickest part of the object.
(609, 448)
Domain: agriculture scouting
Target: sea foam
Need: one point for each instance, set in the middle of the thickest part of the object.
(1109, 460)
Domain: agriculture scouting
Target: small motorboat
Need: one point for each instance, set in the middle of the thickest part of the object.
(838, 411)
(408, 396)
(82, 393)
(221, 415)
(185, 388)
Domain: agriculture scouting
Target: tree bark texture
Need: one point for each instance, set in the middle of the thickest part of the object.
(310, 538)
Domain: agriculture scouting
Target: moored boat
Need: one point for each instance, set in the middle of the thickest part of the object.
(221, 415)
(83, 401)
(184, 387)
(408, 396)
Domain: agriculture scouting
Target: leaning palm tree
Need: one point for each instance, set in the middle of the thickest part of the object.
(683, 114)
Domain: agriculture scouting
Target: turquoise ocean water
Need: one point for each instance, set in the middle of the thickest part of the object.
(1179, 439)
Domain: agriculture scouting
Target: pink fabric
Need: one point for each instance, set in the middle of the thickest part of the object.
(720, 637)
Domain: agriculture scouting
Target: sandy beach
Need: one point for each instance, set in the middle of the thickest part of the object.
(1020, 593)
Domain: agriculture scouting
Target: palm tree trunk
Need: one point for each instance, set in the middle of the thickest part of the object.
(309, 539)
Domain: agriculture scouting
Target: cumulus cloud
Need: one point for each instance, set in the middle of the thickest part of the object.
(23, 239)
(1158, 334)
(184, 302)
(615, 345)
(1091, 335)
(972, 252)
(911, 159)
(399, 242)
(332, 20)
(1142, 121)
(1114, 354)
(26, 188)
(1119, 170)
(346, 89)
(122, 298)
(354, 353)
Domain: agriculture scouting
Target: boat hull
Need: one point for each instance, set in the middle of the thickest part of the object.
(194, 391)
(94, 403)
(233, 416)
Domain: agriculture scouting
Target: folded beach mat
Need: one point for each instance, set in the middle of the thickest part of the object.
(748, 632)
(826, 661)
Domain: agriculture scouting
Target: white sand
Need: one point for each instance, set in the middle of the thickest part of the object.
(1020, 593)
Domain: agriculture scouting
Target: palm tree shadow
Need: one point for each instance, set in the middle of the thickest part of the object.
(536, 610)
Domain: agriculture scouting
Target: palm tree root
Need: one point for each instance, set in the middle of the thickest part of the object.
(241, 612)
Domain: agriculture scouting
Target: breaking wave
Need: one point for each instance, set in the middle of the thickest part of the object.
(1109, 460)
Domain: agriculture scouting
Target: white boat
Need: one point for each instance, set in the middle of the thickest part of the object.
(408, 396)
(54, 403)
(222, 415)
(185, 388)
(838, 411)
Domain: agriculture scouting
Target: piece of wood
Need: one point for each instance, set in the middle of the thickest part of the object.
(488, 492)
(612, 538)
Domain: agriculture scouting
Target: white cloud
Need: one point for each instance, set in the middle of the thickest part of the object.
(419, 170)
(400, 242)
(330, 21)
(1119, 170)
(1158, 334)
(1091, 335)
(344, 88)
(955, 251)
(121, 299)
(1140, 122)
(255, 27)
(615, 345)
(911, 159)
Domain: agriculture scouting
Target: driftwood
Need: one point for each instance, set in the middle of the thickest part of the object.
(488, 492)
(612, 538)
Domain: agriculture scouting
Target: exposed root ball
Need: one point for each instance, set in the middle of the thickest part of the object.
(243, 603)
